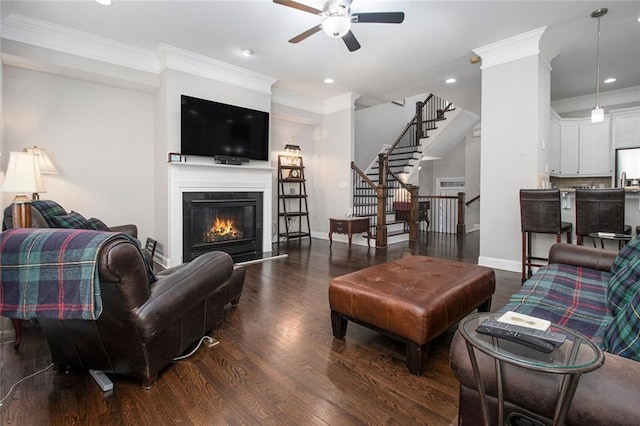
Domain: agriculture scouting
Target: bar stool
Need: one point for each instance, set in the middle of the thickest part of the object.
(540, 213)
(600, 210)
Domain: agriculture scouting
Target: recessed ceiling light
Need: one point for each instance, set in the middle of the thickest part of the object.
(104, 2)
(610, 80)
(328, 80)
(247, 52)
(450, 80)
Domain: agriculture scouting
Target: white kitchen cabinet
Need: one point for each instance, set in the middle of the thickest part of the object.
(584, 148)
(626, 127)
(595, 149)
(569, 148)
(553, 158)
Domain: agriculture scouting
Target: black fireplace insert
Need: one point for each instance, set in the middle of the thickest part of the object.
(224, 221)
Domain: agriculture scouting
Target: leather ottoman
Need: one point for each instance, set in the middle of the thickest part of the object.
(413, 299)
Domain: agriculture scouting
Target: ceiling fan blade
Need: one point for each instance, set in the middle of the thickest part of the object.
(304, 35)
(380, 17)
(351, 42)
(298, 6)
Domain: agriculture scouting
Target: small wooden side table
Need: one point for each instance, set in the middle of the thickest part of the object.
(349, 226)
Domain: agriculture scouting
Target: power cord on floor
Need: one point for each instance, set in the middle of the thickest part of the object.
(22, 380)
(210, 340)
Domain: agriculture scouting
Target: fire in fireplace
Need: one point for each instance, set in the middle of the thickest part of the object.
(222, 230)
(226, 221)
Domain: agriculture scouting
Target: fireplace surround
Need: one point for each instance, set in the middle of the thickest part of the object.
(225, 221)
(186, 177)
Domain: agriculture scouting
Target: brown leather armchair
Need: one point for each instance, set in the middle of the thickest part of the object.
(143, 327)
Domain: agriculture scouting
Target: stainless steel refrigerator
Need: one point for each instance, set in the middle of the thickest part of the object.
(628, 162)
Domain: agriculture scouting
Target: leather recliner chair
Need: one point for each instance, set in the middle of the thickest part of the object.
(143, 326)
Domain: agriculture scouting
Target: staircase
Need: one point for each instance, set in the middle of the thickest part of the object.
(382, 186)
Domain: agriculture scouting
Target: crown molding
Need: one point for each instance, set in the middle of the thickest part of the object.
(189, 62)
(293, 100)
(62, 39)
(517, 47)
(338, 103)
(629, 95)
(342, 102)
(56, 37)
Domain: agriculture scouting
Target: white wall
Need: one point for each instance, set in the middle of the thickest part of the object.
(453, 165)
(330, 169)
(284, 131)
(509, 151)
(99, 137)
(472, 174)
(426, 178)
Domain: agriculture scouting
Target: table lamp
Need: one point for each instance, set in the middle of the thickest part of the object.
(46, 166)
(22, 177)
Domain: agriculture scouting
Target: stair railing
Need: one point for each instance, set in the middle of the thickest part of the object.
(405, 202)
(389, 184)
(447, 213)
(371, 200)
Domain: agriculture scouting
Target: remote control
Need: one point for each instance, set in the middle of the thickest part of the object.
(554, 338)
(526, 336)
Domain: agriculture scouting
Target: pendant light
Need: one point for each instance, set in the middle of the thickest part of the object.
(597, 115)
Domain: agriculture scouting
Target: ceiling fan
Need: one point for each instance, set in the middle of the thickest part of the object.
(337, 19)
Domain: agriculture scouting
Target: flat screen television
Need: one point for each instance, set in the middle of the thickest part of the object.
(214, 129)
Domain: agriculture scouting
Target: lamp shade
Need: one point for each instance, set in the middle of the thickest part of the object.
(292, 148)
(23, 174)
(597, 115)
(46, 166)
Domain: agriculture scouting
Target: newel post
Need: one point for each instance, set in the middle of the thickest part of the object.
(413, 213)
(381, 213)
(419, 121)
(461, 228)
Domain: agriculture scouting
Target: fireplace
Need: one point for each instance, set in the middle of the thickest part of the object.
(224, 221)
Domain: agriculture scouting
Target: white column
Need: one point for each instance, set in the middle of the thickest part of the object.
(515, 122)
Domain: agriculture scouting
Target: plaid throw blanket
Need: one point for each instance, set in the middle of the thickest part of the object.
(567, 295)
(51, 273)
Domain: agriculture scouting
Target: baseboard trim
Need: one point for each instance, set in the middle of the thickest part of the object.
(503, 264)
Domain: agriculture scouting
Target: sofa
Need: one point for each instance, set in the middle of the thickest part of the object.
(593, 291)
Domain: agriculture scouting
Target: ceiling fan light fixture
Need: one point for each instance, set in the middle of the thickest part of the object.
(336, 26)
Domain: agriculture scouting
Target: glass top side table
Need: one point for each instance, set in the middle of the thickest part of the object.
(622, 239)
(576, 356)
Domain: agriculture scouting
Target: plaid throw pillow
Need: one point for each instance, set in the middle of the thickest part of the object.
(72, 220)
(628, 253)
(48, 209)
(98, 225)
(622, 336)
(623, 285)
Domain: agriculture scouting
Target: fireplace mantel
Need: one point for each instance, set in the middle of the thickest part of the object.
(205, 177)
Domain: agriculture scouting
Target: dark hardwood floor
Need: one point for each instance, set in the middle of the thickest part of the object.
(277, 361)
